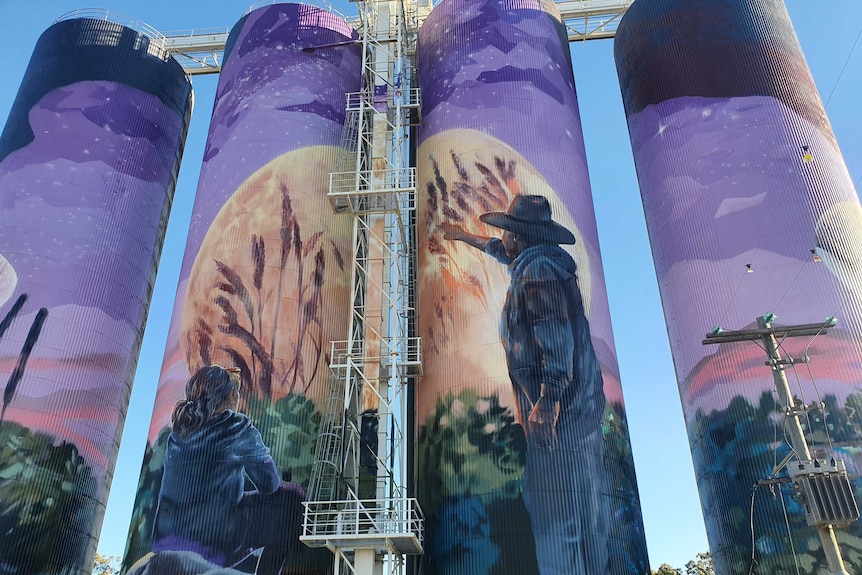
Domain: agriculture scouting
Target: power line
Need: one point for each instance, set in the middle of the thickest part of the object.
(843, 68)
(775, 208)
(789, 532)
(811, 474)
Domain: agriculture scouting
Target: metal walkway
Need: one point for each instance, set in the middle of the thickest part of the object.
(202, 51)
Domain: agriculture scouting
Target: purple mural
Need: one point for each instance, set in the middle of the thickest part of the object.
(264, 288)
(524, 458)
(88, 164)
(750, 210)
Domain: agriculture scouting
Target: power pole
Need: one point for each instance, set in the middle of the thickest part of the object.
(823, 486)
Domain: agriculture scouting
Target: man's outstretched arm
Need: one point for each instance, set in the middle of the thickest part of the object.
(458, 233)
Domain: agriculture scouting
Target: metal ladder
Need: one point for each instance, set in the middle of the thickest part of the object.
(326, 471)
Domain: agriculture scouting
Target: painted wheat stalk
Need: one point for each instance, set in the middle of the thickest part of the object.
(250, 308)
(488, 187)
(18, 372)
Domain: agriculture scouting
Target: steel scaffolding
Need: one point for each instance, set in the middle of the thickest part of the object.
(359, 506)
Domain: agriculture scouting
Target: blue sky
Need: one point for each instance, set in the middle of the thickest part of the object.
(673, 520)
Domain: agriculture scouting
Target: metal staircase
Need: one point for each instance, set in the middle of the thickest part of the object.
(359, 506)
(349, 139)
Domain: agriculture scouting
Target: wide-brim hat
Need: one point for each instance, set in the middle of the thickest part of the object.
(530, 216)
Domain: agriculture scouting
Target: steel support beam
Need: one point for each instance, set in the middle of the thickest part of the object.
(202, 51)
(592, 19)
(198, 51)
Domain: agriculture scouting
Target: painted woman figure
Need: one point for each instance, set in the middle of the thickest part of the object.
(557, 384)
(204, 506)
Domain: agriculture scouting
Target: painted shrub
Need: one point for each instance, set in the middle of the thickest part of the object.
(518, 355)
(265, 279)
(88, 164)
(750, 210)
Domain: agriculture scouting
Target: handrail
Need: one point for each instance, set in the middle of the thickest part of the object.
(381, 517)
(113, 16)
(197, 32)
(322, 4)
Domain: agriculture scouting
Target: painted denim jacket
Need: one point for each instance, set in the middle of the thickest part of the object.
(546, 336)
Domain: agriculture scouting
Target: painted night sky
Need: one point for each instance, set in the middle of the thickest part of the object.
(271, 73)
(734, 173)
(85, 183)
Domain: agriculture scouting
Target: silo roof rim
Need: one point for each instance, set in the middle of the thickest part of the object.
(322, 4)
(115, 17)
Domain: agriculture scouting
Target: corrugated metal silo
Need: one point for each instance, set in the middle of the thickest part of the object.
(264, 287)
(88, 164)
(524, 458)
(750, 210)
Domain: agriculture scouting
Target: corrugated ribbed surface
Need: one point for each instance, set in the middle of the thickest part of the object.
(88, 164)
(500, 125)
(264, 283)
(739, 168)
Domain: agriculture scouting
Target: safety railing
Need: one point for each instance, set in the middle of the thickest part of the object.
(396, 521)
(378, 191)
(406, 351)
(113, 16)
(404, 97)
(155, 43)
(370, 181)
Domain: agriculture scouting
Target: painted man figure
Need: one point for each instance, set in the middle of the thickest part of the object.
(557, 384)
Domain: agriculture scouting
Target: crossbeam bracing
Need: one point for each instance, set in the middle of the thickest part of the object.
(201, 51)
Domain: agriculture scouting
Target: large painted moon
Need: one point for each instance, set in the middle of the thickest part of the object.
(473, 148)
(272, 277)
(8, 280)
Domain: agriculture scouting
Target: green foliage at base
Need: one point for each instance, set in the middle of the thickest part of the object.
(471, 462)
(469, 446)
(735, 447)
(471, 458)
(147, 500)
(47, 503)
(289, 428)
(701, 565)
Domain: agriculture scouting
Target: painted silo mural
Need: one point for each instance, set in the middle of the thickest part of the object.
(263, 289)
(750, 210)
(524, 462)
(88, 164)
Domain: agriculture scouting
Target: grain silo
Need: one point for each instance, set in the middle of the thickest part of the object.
(264, 288)
(751, 214)
(88, 164)
(523, 459)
